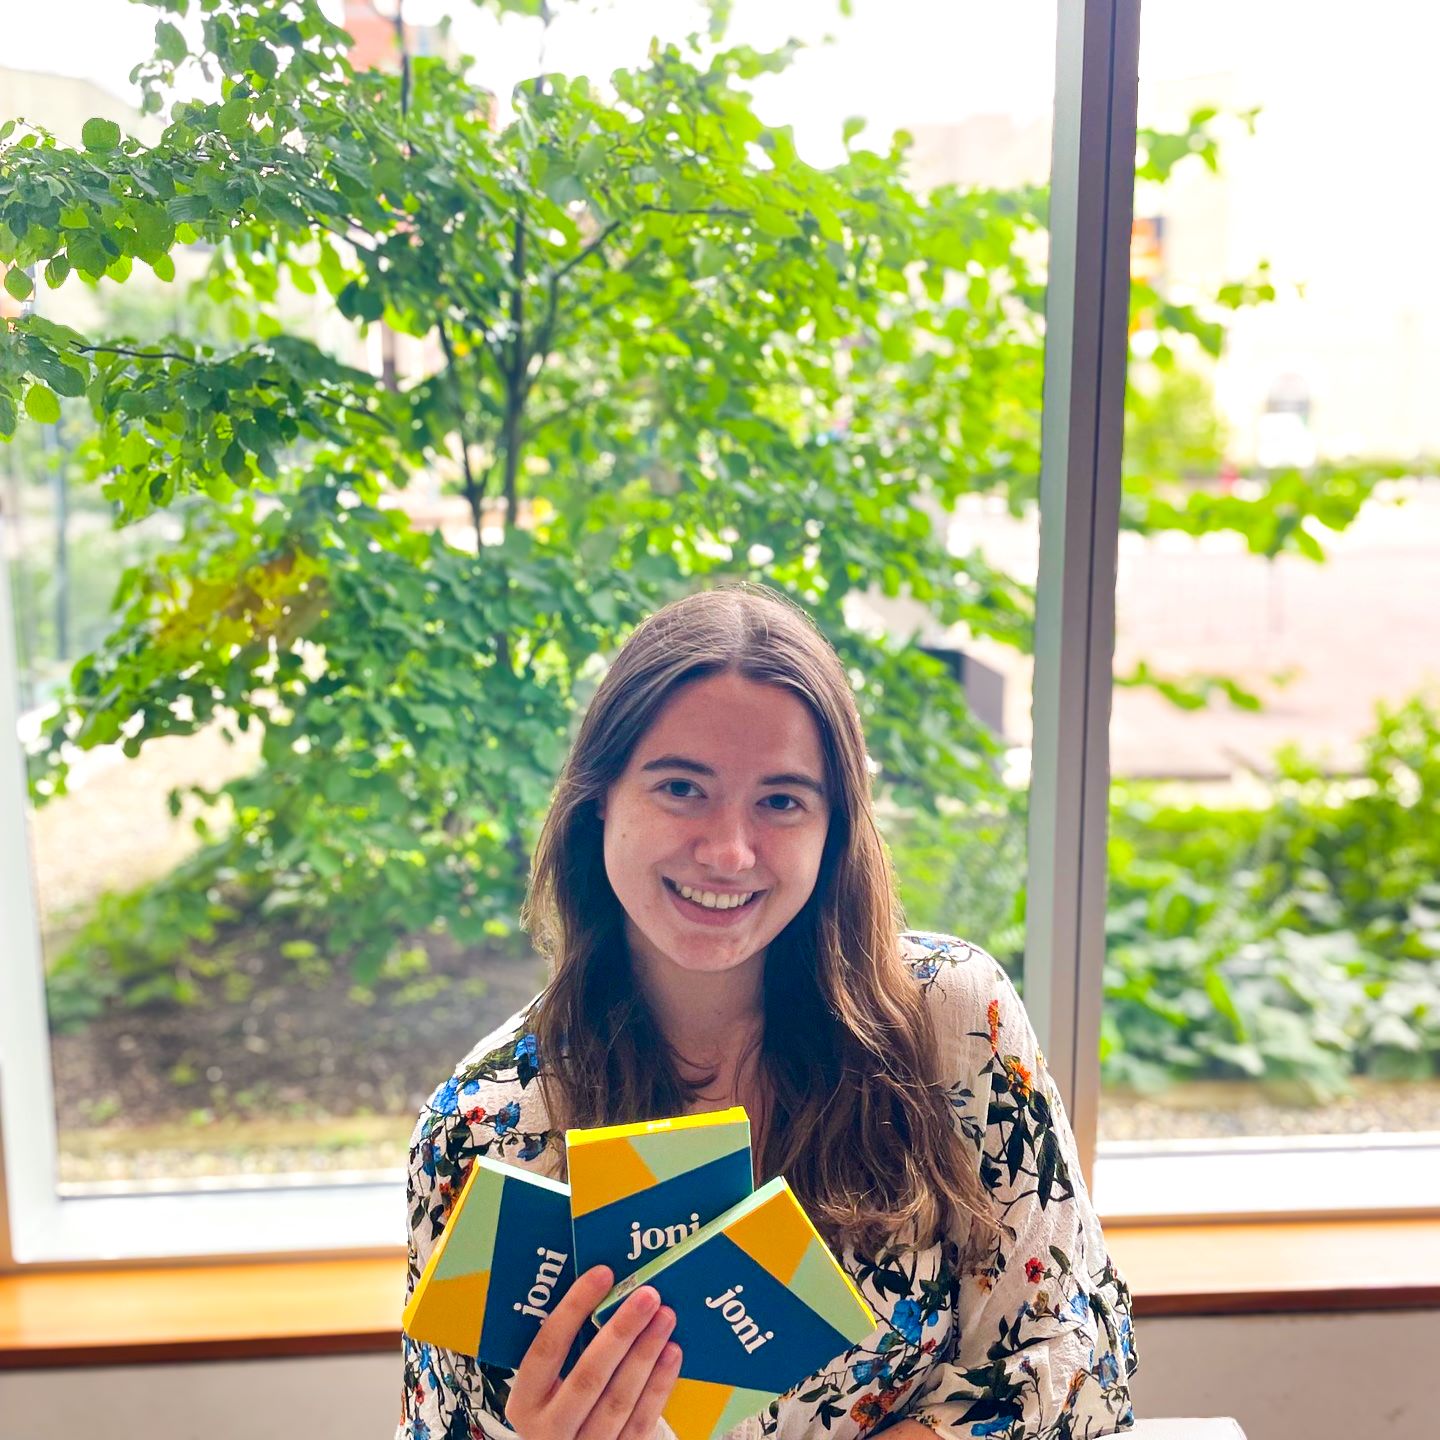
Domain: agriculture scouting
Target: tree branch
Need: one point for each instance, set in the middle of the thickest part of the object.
(474, 497)
(711, 212)
(134, 354)
(516, 388)
(404, 64)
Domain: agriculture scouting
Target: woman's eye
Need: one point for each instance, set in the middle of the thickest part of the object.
(793, 805)
(788, 803)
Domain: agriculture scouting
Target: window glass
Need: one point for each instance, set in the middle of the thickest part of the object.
(1274, 905)
(271, 924)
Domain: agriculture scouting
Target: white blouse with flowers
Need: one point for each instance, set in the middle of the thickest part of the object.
(1028, 1341)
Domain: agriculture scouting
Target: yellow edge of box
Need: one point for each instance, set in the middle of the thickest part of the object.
(732, 1116)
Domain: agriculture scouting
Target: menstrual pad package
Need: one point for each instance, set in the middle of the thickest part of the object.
(636, 1190)
(500, 1268)
(760, 1303)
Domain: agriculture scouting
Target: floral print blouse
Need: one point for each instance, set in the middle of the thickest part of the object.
(1028, 1341)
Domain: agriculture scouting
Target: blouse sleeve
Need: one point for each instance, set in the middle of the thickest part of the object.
(1044, 1347)
(449, 1396)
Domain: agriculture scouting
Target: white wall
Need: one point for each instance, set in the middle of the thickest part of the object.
(1323, 1377)
(1283, 1377)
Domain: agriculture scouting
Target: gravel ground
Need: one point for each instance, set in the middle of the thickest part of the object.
(1231, 1111)
(371, 1147)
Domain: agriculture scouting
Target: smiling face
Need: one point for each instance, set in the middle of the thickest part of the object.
(723, 799)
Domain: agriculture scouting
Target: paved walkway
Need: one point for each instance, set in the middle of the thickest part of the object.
(1362, 627)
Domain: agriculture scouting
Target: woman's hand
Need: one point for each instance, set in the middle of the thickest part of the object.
(620, 1383)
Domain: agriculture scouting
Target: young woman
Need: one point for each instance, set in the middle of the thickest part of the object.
(722, 928)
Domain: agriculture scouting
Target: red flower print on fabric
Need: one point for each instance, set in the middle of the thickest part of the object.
(868, 1410)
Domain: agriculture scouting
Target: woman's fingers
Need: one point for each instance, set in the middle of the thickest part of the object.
(652, 1400)
(542, 1406)
(582, 1388)
(539, 1373)
(616, 1410)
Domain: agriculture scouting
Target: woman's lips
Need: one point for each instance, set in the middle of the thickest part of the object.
(700, 915)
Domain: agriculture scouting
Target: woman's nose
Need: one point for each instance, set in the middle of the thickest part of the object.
(726, 845)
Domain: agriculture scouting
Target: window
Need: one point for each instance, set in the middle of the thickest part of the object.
(1272, 985)
(225, 1055)
(214, 1060)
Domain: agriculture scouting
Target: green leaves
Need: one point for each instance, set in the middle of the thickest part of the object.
(41, 404)
(234, 117)
(262, 60)
(1293, 956)
(359, 302)
(100, 135)
(18, 284)
(169, 43)
(648, 327)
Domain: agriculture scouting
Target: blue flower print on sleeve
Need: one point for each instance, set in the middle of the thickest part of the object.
(993, 1427)
(527, 1059)
(507, 1117)
(447, 1098)
(907, 1320)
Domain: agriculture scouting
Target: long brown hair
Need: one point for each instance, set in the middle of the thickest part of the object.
(860, 1125)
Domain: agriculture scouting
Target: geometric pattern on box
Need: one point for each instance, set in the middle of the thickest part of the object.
(502, 1263)
(638, 1189)
(760, 1303)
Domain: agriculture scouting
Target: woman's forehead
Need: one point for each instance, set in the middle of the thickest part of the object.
(729, 723)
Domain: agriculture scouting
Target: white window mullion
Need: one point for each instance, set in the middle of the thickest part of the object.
(1086, 341)
(28, 1163)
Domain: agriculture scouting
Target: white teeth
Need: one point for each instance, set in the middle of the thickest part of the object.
(711, 901)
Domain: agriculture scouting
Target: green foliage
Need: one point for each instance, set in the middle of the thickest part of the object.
(1274, 942)
(636, 325)
(1171, 428)
(674, 349)
(965, 867)
(1256, 942)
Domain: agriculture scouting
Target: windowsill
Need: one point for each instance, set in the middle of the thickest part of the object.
(148, 1314)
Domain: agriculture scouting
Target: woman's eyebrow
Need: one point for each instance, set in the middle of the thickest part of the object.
(679, 762)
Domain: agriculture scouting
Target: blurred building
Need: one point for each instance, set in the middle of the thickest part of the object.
(371, 24)
(63, 103)
(1346, 360)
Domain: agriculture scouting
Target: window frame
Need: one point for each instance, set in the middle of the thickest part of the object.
(1082, 423)
(1092, 187)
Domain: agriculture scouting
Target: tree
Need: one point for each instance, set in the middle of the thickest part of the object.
(683, 351)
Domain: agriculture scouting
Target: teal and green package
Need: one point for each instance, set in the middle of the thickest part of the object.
(760, 1304)
(501, 1266)
(636, 1190)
